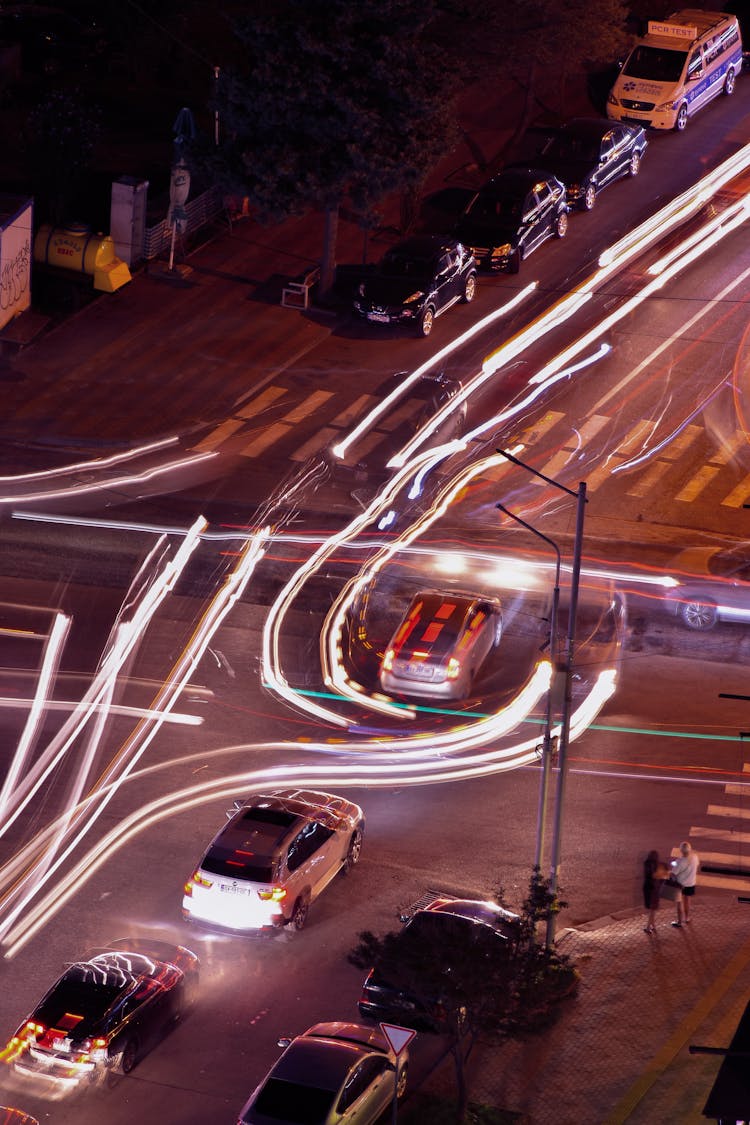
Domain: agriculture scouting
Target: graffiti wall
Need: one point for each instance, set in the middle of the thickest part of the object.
(15, 257)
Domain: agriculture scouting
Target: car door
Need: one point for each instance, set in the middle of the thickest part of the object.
(367, 1092)
(311, 859)
(529, 233)
(446, 279)
(545, 210)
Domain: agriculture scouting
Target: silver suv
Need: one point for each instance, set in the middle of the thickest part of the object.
(274, 857)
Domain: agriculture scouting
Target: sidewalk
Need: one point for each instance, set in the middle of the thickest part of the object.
(618, 1053)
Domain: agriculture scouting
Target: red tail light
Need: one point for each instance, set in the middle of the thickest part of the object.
(272, 894)
(196, 880)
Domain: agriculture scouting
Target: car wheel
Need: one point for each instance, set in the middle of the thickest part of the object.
(401, 1081)
(681, 121)
(699, 615)
(299, 914)
(355, 851)
(728, 84)
(514, 261)
(589, 198)
(561, 224)
(635, 164)
(426, 321)
(470, 288)
(128, 1057)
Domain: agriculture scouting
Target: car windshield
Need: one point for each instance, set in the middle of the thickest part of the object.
(403, 265)
(730, 564)
(230, 864)
(293, 1102)
(488, 207)
(656, 64)
(568, 147)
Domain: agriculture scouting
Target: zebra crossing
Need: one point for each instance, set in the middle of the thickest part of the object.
(723, 842)
(278, 422)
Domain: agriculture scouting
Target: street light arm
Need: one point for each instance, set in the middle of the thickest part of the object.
(529, 469)
(534, 531)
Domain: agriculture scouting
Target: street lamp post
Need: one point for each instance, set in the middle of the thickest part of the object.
(580, 497)
(549, 717)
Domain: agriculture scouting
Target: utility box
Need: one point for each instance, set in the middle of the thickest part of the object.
(16, 219)
(79, 250)
(127, 218)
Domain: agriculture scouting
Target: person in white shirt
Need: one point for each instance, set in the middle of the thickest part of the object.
(685, 871)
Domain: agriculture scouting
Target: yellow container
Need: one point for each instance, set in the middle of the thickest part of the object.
(80, 250)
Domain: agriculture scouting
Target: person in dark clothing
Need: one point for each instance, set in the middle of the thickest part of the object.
(654, 871)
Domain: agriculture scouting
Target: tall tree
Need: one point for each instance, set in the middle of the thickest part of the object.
(336, 102)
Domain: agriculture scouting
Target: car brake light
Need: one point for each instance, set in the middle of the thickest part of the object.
(35, 1029)
(273, 894)
(388, 660)
(454, 667)
(196, 880)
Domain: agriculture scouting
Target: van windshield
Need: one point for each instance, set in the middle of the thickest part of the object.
(656, 64)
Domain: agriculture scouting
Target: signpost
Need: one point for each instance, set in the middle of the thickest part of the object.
(398, 1039)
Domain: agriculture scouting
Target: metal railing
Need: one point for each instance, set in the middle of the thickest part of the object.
(201, 210)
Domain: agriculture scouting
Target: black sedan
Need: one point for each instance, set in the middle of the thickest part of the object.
(417, 280)
(333, 1074)
(106, 1011)
(511, 215)
(589, 153)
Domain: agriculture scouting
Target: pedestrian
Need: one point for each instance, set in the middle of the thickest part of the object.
(654, 872)
(685, 871)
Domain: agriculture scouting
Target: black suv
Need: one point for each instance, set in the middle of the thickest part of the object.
(417, 280)
(511, 215)
(476, 926)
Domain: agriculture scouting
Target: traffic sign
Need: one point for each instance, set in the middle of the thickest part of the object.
(398, 1037)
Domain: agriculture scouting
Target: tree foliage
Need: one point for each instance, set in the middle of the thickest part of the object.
(482, 985)
(63, 129)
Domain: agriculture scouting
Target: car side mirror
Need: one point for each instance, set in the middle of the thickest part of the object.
(284, 1041)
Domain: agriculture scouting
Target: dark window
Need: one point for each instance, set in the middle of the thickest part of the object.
(312, 837)
(293, 1103)
(280, 817)
(695, 66)
(220, 861)
(654, 64)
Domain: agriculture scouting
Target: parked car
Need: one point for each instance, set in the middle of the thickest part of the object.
(440, 645)
(334, 1073)
(271, 861)
(383, 1000)
(106, 1011)
(589, 153)
(713, 584)
(417, 281)
(511, 215)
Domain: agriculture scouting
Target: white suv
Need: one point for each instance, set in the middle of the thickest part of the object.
(274, 857)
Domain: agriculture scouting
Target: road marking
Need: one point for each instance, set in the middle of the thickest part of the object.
(254, 406)
(220, 434)
(650, 479)
(698, 483)
(726, 834)
(676, 1042)
(739, 495)
(317, 442)
(308, 406)
(359, 406)
(266, 438)
(737, 811)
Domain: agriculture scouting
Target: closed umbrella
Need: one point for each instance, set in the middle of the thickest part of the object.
(179, 183)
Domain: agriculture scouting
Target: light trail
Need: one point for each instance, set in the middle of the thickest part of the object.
(94, 463)
(339, 450)
(22, 894)
(369, 775)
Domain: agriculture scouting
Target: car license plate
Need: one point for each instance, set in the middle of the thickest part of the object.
(61, 1044)
(232, 889)
(382, 318)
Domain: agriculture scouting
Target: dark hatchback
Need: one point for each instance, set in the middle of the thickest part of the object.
(105, 1012)
(589, 153)
(511, 215)
(417, 280)
(469, 924)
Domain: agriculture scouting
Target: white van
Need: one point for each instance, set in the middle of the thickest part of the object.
(676, 68)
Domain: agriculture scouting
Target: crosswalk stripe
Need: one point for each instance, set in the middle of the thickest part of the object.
(725, 882)
(634, 438)
(724, 859)
(603, 473)
(739, 495)
(265, 438)
(646, 484)
(317, 442)
(254, 406)
(539, 429)
(556, 464)
(697, 483)
(220, 434)
(737, 790)
(590, 428)
(739, 812)
(360, 406)
(682, 442)
(308, 406)
(727, 835)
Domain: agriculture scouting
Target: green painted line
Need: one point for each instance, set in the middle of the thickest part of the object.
(677, 1040)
